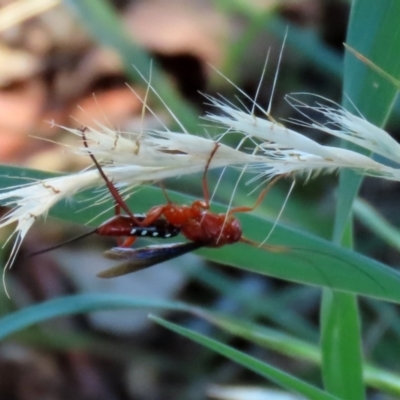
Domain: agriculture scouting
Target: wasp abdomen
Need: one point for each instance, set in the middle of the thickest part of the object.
(123, 225)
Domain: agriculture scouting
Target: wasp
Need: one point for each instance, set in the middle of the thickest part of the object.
(196, 222)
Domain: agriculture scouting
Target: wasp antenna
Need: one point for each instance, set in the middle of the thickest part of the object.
(75, 239)
(113, 190)
(161, 184)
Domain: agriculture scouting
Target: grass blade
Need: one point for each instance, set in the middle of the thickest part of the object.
(77, 304)
(372, 32)
(274, 374)
(293, 347)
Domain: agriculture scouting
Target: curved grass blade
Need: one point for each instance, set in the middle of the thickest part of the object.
(281, 378)
(77, 304)
(293, 347)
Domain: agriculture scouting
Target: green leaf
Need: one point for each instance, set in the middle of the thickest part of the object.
(308, 259)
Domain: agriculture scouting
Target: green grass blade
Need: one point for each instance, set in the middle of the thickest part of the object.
(369, 217)
(292, 347)
(274, 374)
(263, 336)
(342, 360)
(373, 31)
(77, 304)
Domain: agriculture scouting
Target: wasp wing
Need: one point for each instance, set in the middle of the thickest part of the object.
(144, 257)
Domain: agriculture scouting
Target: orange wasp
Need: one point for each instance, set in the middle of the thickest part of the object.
(201, 226)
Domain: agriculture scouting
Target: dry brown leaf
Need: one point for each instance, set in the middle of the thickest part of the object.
(178, 26)
(16, 65)
(21, 107)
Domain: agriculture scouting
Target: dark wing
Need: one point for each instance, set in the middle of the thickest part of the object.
(144, 257)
